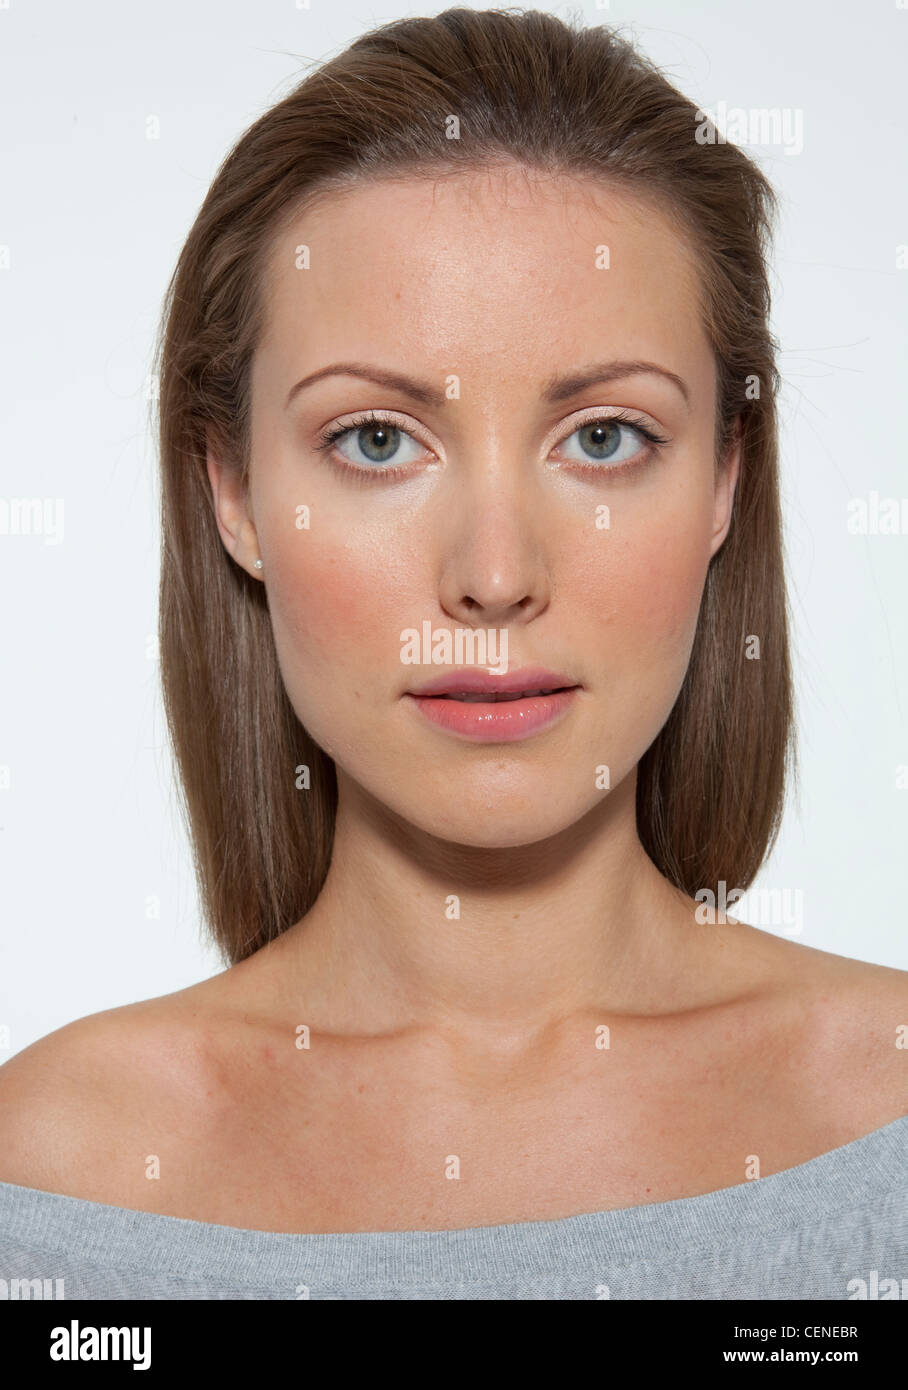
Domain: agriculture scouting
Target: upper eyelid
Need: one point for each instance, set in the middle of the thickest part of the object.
(603, 412)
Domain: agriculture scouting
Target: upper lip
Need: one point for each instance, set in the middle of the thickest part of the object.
(471, 681)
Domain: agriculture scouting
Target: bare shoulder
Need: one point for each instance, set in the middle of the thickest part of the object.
(851, 987)
(71, 1101)
(850, 1022)
(864, 1007)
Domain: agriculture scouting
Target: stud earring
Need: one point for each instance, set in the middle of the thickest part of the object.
(258, 564)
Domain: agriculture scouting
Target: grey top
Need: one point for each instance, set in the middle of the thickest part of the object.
(835, 1227)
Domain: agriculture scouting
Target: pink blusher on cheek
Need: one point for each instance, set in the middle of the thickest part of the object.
(666, 589)
(650, 587)
(332, 615)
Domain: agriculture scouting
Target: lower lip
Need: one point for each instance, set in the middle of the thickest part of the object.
(499, 721)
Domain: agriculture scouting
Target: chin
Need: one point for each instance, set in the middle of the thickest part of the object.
(493, 824)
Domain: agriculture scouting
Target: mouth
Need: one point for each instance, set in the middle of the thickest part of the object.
(475, 684)
(495, 709)
(472, 697)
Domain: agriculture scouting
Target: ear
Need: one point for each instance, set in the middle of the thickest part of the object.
(232, 510)
(727, 472)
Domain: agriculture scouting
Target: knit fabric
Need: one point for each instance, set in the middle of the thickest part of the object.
(835, 1227)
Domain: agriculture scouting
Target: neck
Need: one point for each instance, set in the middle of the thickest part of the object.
(411, 930)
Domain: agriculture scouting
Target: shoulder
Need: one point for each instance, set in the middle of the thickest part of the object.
(70, 1101)
(862, 1008)
(838, 988)
(846, 1027)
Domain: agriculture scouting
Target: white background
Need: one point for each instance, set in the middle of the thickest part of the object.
(94, 215)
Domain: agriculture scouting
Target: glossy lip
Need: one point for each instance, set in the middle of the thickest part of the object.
(473, 681)
(493, 721)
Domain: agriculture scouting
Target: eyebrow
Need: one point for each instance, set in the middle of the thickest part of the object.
(556, 389)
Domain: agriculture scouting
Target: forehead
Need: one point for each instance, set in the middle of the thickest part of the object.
(498, 270)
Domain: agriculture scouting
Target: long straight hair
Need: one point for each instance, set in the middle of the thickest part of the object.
(524, 87)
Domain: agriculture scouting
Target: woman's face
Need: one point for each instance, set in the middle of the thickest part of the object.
(492, 502)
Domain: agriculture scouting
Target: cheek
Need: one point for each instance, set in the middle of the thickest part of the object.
(324, 600)
(334, 604)
(646, 583)
(664, 588)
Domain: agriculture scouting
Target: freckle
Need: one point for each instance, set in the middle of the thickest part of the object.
(361, 1088)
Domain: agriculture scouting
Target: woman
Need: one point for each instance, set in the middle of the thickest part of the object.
(474, 649)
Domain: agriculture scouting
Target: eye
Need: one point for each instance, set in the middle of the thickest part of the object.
(375, 444)
(613, 440)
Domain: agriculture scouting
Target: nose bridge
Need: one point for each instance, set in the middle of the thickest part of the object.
(494, 550)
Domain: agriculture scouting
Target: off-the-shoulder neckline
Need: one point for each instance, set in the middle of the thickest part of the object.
(850, 1176)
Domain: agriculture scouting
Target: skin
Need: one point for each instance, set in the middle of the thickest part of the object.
(473, 1037)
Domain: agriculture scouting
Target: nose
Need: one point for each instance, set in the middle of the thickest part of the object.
(495, 570)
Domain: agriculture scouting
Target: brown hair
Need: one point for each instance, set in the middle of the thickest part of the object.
(526, 88)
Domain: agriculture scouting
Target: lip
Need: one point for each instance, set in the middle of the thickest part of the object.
(472, 681)
(492, 721)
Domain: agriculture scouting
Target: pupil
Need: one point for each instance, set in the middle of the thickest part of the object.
(603, 436)
(379, 442)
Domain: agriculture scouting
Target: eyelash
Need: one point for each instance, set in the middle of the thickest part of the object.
(359, 422)
(328, 436)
